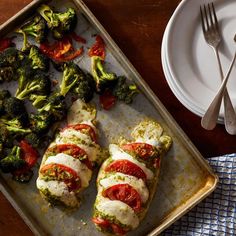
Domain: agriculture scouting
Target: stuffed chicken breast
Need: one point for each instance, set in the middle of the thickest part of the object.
(127, 180)
(67, 164)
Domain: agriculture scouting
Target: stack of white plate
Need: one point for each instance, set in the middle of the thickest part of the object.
(189, 64)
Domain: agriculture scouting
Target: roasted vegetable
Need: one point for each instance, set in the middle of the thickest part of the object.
(71, 75)
(33, 139)
(13, 161)
(4, 94)
(40, 84)
(15, 108)
(41, 122)
(38, 60)
(10, 61)
(60, 23)
(102, 78)
(85, 88)
(56, 106)
(36, 28)
(123, 91)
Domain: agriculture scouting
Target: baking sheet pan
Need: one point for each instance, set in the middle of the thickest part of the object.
(185, 177)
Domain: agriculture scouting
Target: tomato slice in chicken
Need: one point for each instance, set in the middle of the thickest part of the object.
(124, 193)
(72, 150)
(62, 173)
(107, 225)
(84, 128)
(126, 167)
(143, 150)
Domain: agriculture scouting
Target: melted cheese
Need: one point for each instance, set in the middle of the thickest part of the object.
(119, 178)
(59, 190)
(71, 136)
(81, 169)
(118, 154)
(121, 211)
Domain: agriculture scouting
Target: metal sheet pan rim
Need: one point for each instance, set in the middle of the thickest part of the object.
(151, 96)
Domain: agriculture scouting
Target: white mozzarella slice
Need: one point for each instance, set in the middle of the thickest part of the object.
(59, 190)
(81, 169)
(70, 132)
(71, 136)
(119, 210)
(118, 154)
(120, 178)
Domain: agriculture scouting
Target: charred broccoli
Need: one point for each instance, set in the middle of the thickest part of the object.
(60, 23)
(40, 84)
(56, 106)
(85, 88)
(33, 139)
(13, 161)
(123, 91)
(38, 60)
(10, 61)
(71, 75)
(36, 28)
(4, 94)
(41, 122)
(15, 108)
(102, 79)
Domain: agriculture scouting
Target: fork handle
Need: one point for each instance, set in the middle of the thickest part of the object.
(229, 113)
(210, 117)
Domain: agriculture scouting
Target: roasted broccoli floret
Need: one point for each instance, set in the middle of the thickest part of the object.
(41, 122)
(6, 138)
(102, 78)
(40, 84)
(123, 91)
(71, 75)
(33, 139)
(36, 28)
(7, 74)
(60, 23)
(85, 88)
(11, 57)
(4, 94)
(38, 60)
(13, 161)
(14, 107)
(55, 106)
(10, 61)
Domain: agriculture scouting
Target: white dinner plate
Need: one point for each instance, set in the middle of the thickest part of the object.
(190, 64)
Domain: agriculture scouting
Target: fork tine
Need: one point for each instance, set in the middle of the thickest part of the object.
(210, 15)
(202, 20)
(207, 23)
(215, 17)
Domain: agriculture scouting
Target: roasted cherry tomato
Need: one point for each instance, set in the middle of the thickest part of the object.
(105, 224)
(124, 193)
(98, 49)
(62, 173)
(118, 230)
(61, 50)
(72, 150)
(126, 167)
(101, 222)
(84, 128)
(107, 100)
(77, 38)
(6, 43)
(143, 150)
(29, 154)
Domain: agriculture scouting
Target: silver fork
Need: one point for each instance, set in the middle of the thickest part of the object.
(212, 36)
